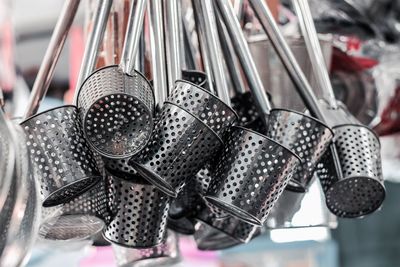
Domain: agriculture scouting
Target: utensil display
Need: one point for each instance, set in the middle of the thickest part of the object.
(116, 103)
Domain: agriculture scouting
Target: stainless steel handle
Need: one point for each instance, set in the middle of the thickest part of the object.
(132, 36)
(215, 53)
(158, 63)
(46, 70)
(174, 40)
(245, 57)
(314, 50)
(93, 43)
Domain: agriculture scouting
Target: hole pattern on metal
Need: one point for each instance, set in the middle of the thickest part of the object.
(117, 112)
(197, 77)
(250, 175)
(62, 161)
(205, 106)
(139, 211)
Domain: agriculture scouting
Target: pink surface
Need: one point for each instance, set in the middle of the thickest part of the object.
(100, 257)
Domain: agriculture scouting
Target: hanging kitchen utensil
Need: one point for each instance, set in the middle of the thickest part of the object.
(196, 77)
(306, 136)
(79, 219)
(180, 146)
(164, 254)
(360, 190)
(21, 230)
(116, 103)
(139, 212)
(62, 160)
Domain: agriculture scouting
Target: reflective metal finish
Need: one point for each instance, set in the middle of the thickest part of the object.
(50, 59)
(180, 146)
(62, 161)
(251, 173)
(197, 77)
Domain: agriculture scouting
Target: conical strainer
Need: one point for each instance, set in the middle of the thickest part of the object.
(166, 253)
(179, 147)
(79, 219)
(139, 212)
(62, 160)
(359, 190)
(116, 103)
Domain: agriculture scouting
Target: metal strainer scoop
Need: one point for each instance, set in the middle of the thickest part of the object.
(360, 189)
(116, 103)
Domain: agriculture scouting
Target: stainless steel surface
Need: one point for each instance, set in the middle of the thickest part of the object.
(215, 113)
(199, 78)
(132, 36)
(361, 190)
(245, 57)
(157, 42)
(62, 161)
(164, 254)
(214, 50)
(304, 135)
(93, 43)
(251, 173)
(117, 111)
(145, 205)
(53, 51)
(81, 218)
(180, 145)
(307, 26)
(174, 47)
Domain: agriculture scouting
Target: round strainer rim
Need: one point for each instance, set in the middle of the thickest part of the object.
(361, 126)
(46, 111)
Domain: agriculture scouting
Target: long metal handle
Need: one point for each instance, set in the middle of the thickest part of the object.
(230, 57)
(314, 50)
(158, 50)
(245, 57)
(132, 36)
(93, 42)
(174, 40)
(296, 74)
(51, 57)
(214, 49)
(201, 36)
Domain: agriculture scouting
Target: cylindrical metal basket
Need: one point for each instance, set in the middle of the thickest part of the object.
(179, 147)
(62, 161)
(139, 212)
(250, 175)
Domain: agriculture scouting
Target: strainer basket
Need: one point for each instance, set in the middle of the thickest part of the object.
(197, 77)
(62, 160)
(204, 105)
(166, 253)
(361, 190)
(250, 175)
(139, 211)
(79, 219)
(304, 135)
(179, 147)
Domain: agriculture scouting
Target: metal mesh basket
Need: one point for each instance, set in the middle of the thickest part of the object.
(304, 135)
(250, 175)
(361, 190)
(139, 211)
(81, 218)
(62, 161)
(179, 147)
(166, 253)
(197, 77)
(204, 105)
(117, 111)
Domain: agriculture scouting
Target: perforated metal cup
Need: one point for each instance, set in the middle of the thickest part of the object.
(197, 77)
(117, 111)
(62, 160)
(201, 103)
(179, 147)
(251, 173)
(304, 135)
(166, 253)
(139, 211)
(245, 107)
(79, 219)
(361, 190)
